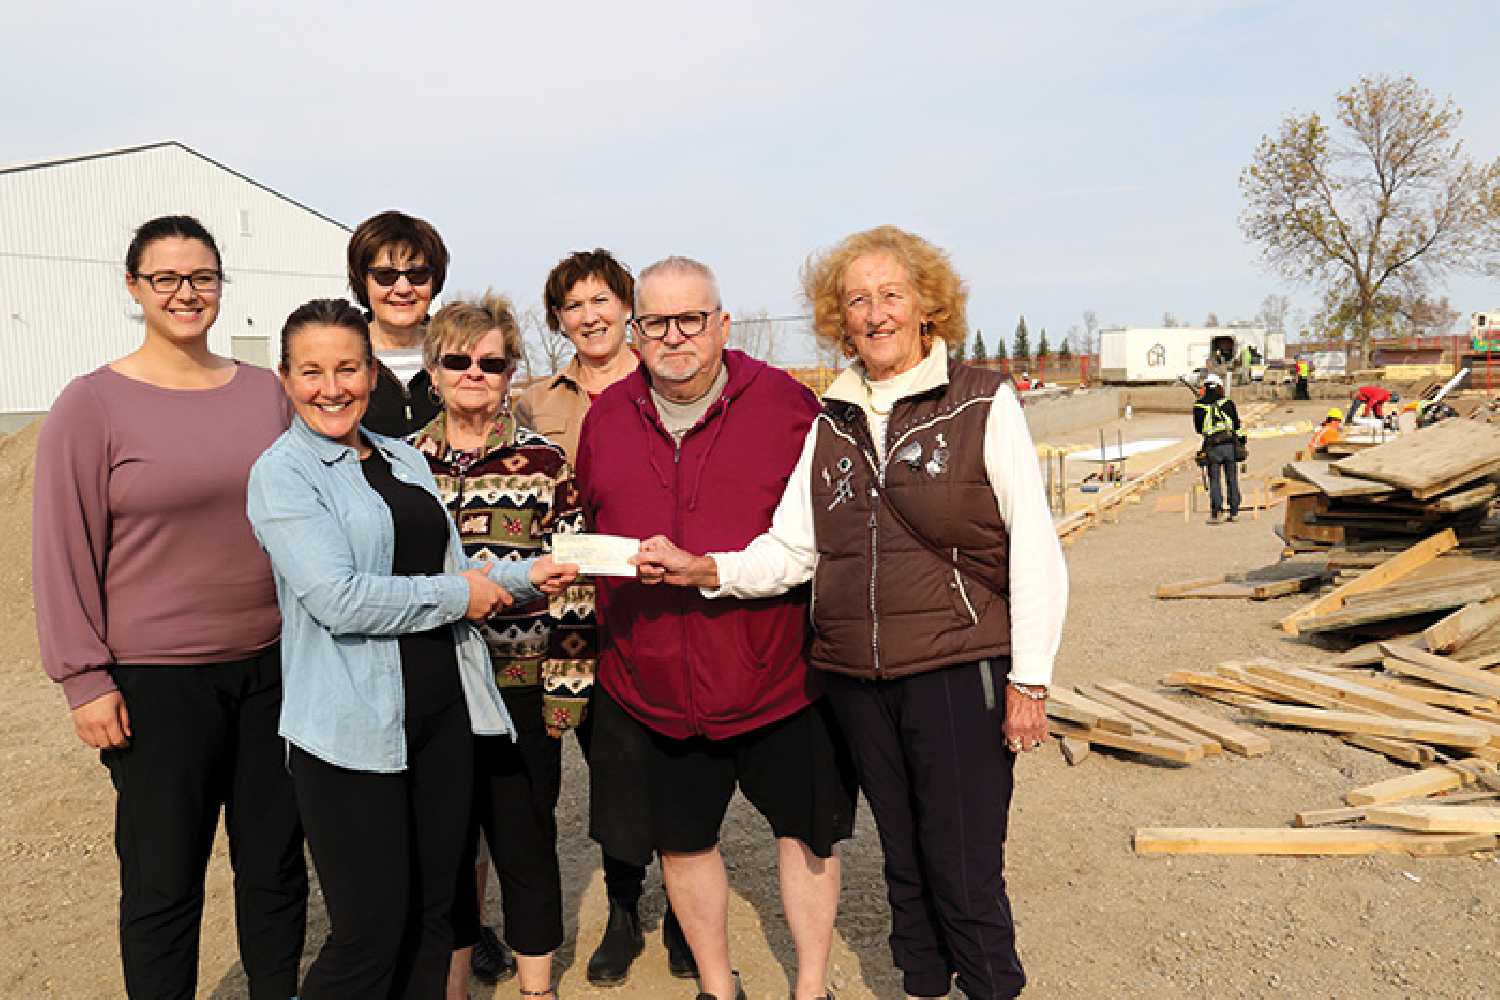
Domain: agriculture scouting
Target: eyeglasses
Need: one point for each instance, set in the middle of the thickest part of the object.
(462, 363)
(167, 282)
(689, 324)
(385, 277)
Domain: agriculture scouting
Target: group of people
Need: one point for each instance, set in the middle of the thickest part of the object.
(325, 602)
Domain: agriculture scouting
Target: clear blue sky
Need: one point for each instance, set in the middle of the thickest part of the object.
(1084, 155)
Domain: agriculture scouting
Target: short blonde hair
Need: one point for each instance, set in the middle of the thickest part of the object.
(462, 323)
(941, 292)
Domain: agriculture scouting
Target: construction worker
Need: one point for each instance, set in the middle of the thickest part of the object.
(1370, 400)
(1023, 382)
(1329, 431)
(1304, 372)
(1219, 422)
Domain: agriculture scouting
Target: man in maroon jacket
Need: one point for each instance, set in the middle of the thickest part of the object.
(696, 697)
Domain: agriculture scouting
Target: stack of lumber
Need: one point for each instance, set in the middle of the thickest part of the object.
(1437, 714)
(1276, 580)
(1122, 716)
(1434, 478)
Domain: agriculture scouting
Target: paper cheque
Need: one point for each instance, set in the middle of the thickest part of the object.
(596, 555)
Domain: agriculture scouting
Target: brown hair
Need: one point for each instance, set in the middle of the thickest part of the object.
(399, 232)
(598, 263)
(940, 291)
(462, 323)
(325, 312)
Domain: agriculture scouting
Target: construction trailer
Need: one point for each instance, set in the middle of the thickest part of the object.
(1142, 355)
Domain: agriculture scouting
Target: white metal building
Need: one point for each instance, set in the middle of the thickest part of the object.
(1164, 354)
(64, 227)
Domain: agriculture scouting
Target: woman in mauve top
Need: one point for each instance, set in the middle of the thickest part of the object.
(157, 614)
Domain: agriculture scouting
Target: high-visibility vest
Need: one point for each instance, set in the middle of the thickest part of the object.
(1303, 369)
(1214, 418)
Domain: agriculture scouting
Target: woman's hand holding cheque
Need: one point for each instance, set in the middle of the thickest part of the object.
(661, 561)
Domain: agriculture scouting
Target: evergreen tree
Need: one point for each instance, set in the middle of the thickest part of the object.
(1042, 350)
(956, 350)
(1022, 344)
(979, 353)
(1000, 352)
(1063, 350)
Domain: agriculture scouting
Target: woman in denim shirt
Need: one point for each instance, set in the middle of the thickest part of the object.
(384, 679)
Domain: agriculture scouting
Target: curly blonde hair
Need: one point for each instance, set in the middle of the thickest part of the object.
(462, 323)
(941, 292)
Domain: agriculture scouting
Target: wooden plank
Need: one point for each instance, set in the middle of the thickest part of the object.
(1438, 818)
(1394, 568)
(1281, 841)
(1404, 606)
(1346, 692)
(1461, 627)
(1429, 457)
(1161, 726)
(1320, 475)
(1323, 817)
(1149, 746)
(1442, 671)
(1301, 694)
(1466, 499)
(1236, 738)
(1429, 695)
(1193, 679)
(1428, 781)
(1074, 751)
(1166, 591)
(1407, 753)
(1109, 718)
(1071, 713)
(1323, 720)
(1455, 482)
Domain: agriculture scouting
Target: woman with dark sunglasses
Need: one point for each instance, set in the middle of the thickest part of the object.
(397, 263)
(157, 614)
(510, 490)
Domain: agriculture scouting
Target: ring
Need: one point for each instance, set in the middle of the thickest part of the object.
(1036, 744)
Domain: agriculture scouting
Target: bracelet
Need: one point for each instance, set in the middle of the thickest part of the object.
(1036, 692)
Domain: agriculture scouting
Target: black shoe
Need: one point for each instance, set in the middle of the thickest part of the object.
(623, 941)
(680, 961)
(739, 990)
(493, 961)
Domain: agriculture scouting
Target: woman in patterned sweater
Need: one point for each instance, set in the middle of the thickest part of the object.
(510, 490)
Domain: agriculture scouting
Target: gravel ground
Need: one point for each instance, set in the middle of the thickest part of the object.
(1093, 919)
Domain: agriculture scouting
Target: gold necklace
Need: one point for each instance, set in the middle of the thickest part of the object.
(870, 398)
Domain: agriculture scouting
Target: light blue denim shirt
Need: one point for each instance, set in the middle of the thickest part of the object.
(332, 543)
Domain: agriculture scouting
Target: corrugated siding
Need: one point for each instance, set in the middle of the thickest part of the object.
(63, 233)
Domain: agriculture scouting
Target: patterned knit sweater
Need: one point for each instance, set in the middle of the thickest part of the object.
(509, 498)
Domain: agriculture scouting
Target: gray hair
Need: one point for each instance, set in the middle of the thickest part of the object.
(679, 266)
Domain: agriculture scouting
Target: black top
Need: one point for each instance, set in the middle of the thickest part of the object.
(397, 410)
(429, 662)
(1227, 405)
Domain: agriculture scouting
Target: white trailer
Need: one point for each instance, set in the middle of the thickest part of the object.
(1165, 354)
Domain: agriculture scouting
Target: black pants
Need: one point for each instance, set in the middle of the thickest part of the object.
(932, 762)
(624, 881)
(388, 848)
(1301, 390)
(1223, 465)
(516, 785)
(205, 736)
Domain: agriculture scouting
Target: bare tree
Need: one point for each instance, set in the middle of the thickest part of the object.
(1090, 332)
(1274, 310)
(1169, 319)
(756, 333)
(1212, 320)
(1382, 208)
(543, 352)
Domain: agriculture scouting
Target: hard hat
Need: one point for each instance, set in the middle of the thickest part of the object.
(1212, 379)
(1335, 414)
(1395, 397)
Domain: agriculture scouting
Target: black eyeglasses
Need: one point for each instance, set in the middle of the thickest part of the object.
(167, 282)
(385, 277)
(462, 363)
(689, 324)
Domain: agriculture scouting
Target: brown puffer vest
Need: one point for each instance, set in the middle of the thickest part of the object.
(885, 605)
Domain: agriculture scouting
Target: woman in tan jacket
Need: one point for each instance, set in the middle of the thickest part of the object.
(587, 299)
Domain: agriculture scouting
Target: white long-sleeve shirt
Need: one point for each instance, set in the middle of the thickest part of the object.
(787, 554)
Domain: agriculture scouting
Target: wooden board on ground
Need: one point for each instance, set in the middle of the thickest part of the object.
(1300, 843)
(1073, 750)
(1399, 750)
(1324, 720)
(1441, 670)
(1109, 718)
(1462, 627)
(1323, 817)
(1166, 728)
(1438, 818)
(1428, 781)
(1450, 452)
(1405, 605)
(1235, 738)
(1149, 746)
(1394, 568)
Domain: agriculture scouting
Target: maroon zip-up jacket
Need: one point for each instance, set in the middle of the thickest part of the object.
(679, 663)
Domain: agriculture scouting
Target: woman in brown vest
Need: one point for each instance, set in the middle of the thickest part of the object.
(918, 513)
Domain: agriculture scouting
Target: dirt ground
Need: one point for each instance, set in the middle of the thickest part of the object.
(1093, 919)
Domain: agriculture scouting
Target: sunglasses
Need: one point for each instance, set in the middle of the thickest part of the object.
(462, 363)
(385, 277)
